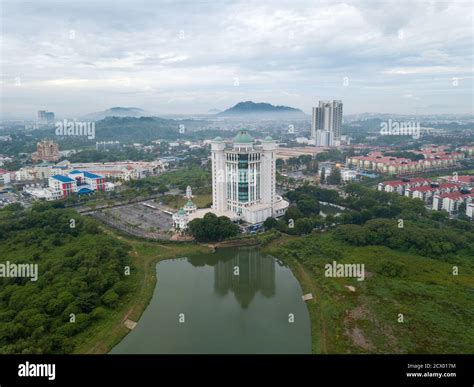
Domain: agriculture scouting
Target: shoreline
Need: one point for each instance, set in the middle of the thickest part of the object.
(111, 330)
(308, 285)
(145, 256)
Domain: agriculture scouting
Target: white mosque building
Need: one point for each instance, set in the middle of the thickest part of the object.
(243, 182)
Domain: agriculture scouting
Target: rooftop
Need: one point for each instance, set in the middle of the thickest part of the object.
(63, 179)
(424, 188)
(91, 175)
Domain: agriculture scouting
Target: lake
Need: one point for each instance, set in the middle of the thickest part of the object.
(236, 300)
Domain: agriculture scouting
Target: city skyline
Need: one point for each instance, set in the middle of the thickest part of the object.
(190, 58)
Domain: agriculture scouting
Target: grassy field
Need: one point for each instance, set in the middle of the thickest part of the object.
(178, 201)
(437, 307)
(109, 331)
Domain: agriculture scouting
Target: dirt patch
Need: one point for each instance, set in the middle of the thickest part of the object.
(356, 334)
(358, 339)
(237, 242)
(358, 313)
(368, 274)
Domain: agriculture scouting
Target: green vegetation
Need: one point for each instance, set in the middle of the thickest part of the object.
(437, 306)
(212, 228)
(334, 177)
(197, 177)
(407, 155)
(409, 266)
(178, 201)
(104, 334)
(331, 155)
(446, 243)
(128, 153)
(306, 162)
(81, 273)
(130, 129)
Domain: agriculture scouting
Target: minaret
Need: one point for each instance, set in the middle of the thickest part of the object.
(219, 199)
(189, 192)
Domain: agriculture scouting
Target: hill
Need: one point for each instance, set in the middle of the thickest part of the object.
(261, 110)
(118, 112)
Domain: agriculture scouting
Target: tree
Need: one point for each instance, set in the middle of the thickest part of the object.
(212, 228)
(312, 166)
(162, 188)
(308, 205)
(110, 298)
(334, 177)
(14, 207)
(304, 226)
(270, 223)
(79, 266)
(293, 213)
(282, 226)
(322, 178)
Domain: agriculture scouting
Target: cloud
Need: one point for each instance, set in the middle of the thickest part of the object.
(77, 57)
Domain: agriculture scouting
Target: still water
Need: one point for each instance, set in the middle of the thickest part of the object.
(236, 300)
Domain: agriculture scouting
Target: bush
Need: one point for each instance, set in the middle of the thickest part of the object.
(110, 298)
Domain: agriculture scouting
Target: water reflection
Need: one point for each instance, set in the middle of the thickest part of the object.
(224, 313)
(255, 273)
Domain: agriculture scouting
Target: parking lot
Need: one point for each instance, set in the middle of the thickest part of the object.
(141, 219)
(7, 198)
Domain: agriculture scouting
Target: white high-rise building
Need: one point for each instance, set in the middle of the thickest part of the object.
(324, 138)
(244, 178)
(327, 117)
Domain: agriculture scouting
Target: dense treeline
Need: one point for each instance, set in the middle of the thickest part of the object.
(358, 206)
(212, 228)
(81, 276)
(430, 242)
(142, 129)
(124, 154)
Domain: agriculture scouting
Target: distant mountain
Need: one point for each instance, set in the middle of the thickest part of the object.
(118, 112)
(261, 110)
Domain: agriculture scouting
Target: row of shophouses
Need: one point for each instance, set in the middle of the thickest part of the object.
(449, 193)
(434, 158)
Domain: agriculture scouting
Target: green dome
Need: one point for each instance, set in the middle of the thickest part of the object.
(190, 203)
(181, 211)
(218, 138)
(243, 137)
(268, 138)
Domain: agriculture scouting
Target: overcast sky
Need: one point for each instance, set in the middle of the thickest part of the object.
(81, 56)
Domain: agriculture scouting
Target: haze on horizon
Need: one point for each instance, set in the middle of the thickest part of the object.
(183, 57)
